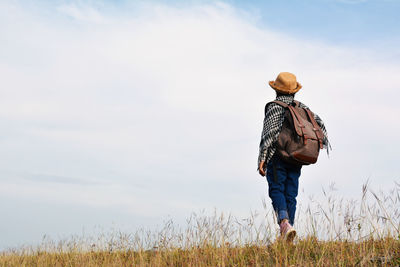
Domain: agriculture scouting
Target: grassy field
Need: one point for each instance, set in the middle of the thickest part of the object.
(306, 252)
(332, 232)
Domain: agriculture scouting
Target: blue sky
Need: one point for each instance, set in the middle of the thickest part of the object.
(127, 113)
(347, 22)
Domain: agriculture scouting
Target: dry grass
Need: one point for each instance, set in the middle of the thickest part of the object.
(306, 252)
(333, 232)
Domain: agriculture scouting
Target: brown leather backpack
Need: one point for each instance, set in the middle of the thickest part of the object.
(301, 137)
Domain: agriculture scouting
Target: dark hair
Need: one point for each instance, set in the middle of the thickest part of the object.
(281, 94)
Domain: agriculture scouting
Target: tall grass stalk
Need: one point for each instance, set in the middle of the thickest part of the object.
(331, 232)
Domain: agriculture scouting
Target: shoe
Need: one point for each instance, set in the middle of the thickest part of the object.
(287, 231)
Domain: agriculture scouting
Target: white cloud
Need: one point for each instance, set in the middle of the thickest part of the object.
(171, 99)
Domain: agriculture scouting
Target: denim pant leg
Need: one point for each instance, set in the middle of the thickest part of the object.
(276, 176)
(291, 189)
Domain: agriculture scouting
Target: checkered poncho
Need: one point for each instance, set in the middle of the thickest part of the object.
(273, 120)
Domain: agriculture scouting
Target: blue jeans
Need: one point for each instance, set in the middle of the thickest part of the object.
(283, 186)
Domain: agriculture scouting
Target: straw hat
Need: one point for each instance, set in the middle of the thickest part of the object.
(285, 83)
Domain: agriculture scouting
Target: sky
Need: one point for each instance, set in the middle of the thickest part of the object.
(123, 114)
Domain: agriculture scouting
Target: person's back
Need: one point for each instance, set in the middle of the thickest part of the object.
(282, 174)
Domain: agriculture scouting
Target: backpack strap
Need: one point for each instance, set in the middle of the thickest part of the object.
(316, 128)
(298, 122)
(282, 104)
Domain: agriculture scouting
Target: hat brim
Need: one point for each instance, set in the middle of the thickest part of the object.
(284, 90)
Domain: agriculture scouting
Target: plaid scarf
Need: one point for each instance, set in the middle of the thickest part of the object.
(274, 116)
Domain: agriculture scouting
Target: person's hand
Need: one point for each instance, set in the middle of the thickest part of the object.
(261, 168)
